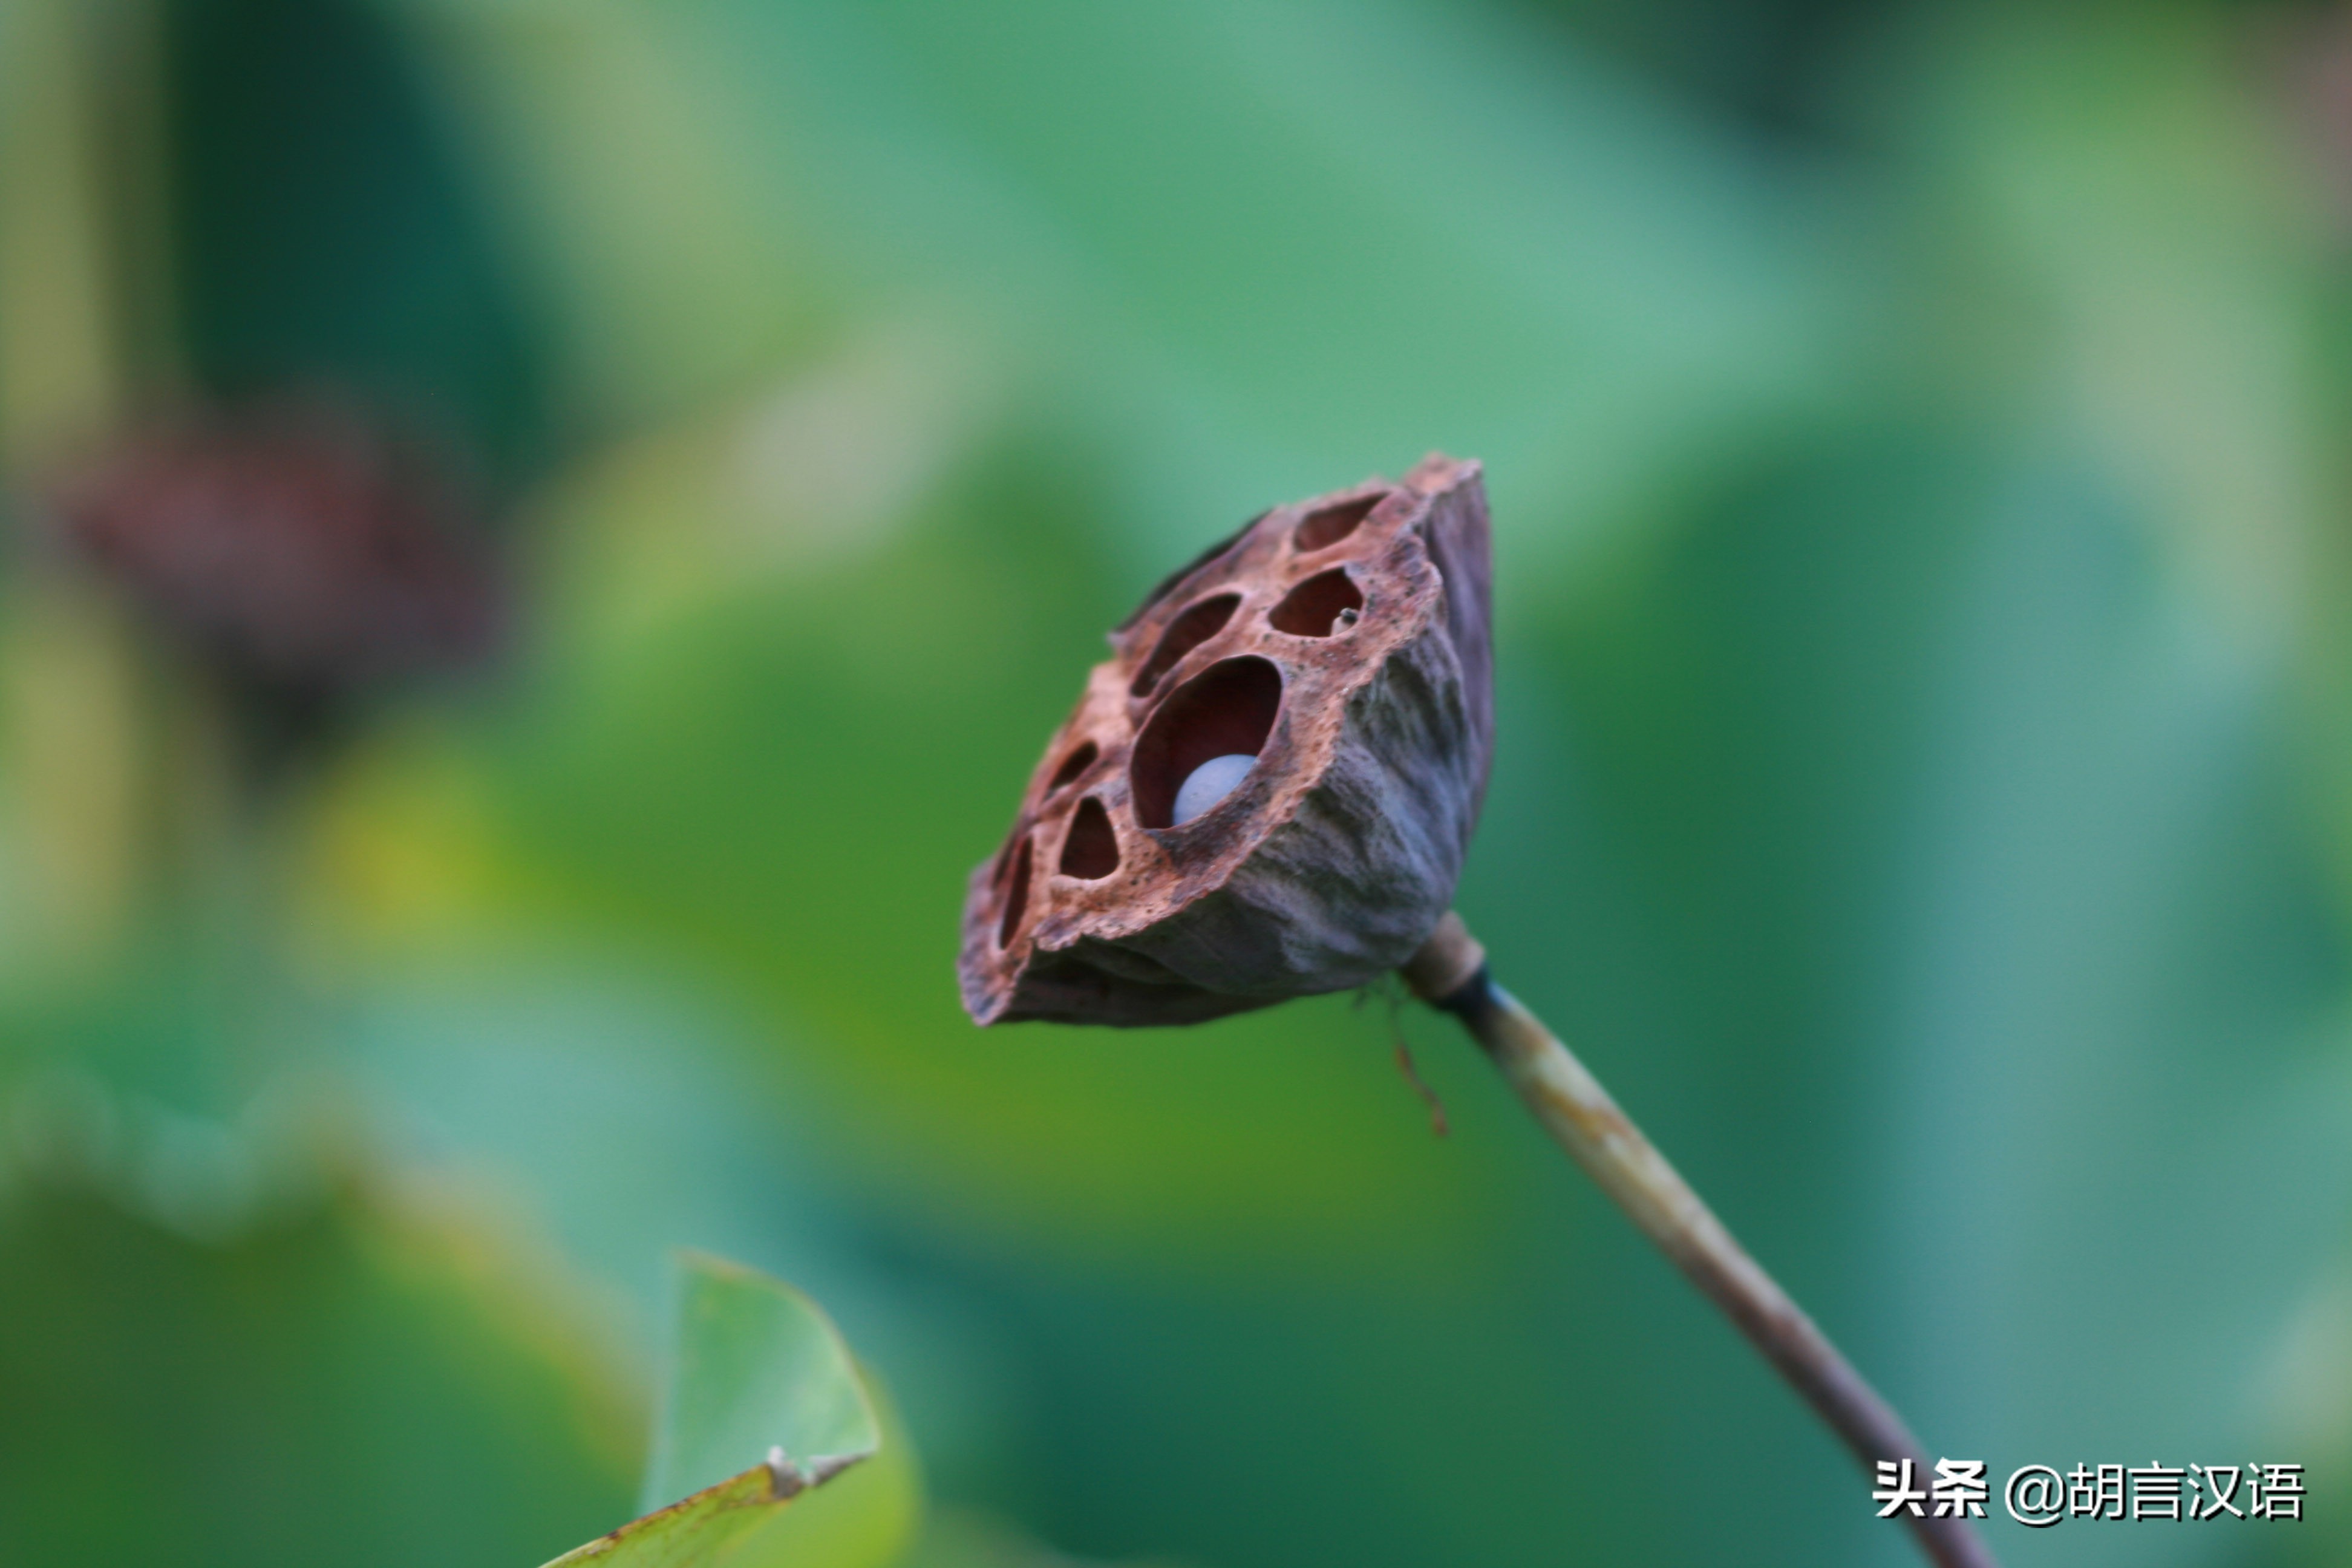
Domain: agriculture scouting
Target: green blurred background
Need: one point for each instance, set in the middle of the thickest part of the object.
(1917, 444)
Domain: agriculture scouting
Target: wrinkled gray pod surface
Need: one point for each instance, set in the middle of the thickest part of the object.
(1345, 642)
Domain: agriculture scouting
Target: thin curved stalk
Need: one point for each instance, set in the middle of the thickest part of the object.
(1450, 974)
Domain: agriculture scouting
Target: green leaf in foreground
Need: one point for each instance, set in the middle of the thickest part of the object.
(765, 1407)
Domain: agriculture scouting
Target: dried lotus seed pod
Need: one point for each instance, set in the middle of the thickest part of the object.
(1268, 790)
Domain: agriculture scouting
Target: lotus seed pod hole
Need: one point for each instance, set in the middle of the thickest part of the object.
(1074, 764)
(1016, 900)
(1091, 849)
(1227, 709)
(1326, 527)
(1210, 782)
(1326, 603)
(1186, 633)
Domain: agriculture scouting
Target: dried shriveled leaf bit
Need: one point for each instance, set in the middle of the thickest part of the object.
(1267, 792)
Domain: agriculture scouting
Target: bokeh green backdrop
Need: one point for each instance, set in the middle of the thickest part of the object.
(1917, 440)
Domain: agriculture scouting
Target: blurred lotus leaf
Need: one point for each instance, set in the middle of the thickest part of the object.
(765, 1408)
(335, 1377)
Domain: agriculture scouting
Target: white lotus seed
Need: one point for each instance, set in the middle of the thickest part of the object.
(1210, 782)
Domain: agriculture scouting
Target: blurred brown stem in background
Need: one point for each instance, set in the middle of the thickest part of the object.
(1450, 974)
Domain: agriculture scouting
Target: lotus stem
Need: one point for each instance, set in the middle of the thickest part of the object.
(1450, 974)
